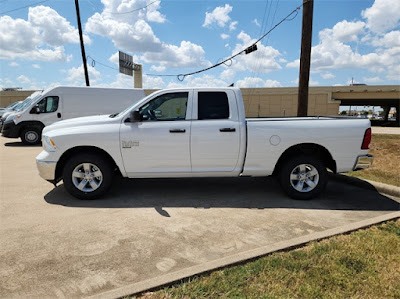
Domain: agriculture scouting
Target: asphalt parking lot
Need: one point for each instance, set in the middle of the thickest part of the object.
(149, 232)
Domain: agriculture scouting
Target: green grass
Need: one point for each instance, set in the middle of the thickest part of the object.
(363, 264)
(385, 169)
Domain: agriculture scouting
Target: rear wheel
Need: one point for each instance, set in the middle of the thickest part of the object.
(30, 136)
(303, 177)
(87, 176)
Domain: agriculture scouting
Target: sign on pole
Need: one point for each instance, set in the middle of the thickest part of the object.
(126, 64)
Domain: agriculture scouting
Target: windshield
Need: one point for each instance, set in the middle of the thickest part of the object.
(27, 102)
(130, 107)
(13, 105)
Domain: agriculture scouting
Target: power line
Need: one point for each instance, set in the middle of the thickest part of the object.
(94, 62)
(137, 9)
(2, 13)
(247, 50)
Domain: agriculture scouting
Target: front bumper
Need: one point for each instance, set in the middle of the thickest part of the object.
(9, 129)
(363, 162)
(47, 170)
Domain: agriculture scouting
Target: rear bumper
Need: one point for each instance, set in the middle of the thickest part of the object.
(363, 162)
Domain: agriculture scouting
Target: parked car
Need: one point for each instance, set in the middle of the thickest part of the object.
(200, 132)
(9, 108)
(64, 102)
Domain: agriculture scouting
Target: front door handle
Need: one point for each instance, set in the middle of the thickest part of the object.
(59, 115)
(227, 130)
(177, 130)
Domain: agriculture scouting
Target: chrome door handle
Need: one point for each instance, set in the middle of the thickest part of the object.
(177, 130)
(227, 130)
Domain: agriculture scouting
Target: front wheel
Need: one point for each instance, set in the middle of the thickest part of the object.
(30, 136)
(303, 177)
(87, 176)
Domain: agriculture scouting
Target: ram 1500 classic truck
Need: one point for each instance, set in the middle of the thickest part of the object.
(200, 132)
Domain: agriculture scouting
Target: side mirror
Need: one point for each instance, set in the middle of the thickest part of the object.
(135, 116)
(35, 110)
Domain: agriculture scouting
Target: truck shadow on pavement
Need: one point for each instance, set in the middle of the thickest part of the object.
(20, 144)
(248, 193)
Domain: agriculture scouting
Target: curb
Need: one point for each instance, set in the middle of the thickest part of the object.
(238, 258)
(367, 184)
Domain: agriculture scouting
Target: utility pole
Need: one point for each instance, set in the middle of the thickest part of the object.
(82, 45)
(305, 57)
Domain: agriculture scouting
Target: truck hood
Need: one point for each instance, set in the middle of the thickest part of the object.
(80, 122)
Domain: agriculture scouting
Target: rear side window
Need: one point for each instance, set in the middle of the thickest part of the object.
(213, 105)
(48, 104)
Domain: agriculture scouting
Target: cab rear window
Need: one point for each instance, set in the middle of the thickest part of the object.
(213, 105)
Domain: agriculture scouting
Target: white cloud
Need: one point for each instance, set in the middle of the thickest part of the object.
(185, 55)
(76, 75)
(383, 15)
(129, 10)
(54, 29)
(199, 81)
(13, 63)
(257, 82)
(372, 79)
(133, 34)
(157, 68)
(327, 75)
(294, 63)
(255, 21)
(41, 37)
(336, 48)
(36, 66)
(389, 40)
(24, 79)
(219, 16)
(263, 60)
(345, 31)
(232, 26)
(224, 36)
(137, 37)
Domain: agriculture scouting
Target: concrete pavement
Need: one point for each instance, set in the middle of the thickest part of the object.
(150, 232)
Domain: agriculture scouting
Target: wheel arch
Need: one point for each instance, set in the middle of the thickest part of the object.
(82, 149)
(312, 149)
(29, 124)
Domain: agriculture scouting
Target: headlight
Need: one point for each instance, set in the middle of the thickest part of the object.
(49, 144)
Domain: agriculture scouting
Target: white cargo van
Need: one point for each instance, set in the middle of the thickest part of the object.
(65, 102)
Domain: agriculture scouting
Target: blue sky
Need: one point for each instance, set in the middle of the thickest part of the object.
(39, 42)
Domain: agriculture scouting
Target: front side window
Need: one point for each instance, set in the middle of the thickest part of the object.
(171, 106)
(213, 105)
(48, 104)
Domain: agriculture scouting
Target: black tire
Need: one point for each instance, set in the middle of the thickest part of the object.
(83, 167)
(31, 136)
(306, 173)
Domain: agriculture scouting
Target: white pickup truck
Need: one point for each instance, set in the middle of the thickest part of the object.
(200, 132)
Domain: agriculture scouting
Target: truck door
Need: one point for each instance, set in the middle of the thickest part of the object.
(160, 143)
(215, 138)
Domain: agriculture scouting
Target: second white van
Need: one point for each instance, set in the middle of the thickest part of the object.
(65, 102)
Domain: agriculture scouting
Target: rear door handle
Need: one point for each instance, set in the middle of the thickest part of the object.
(177, 130)
(227, 130)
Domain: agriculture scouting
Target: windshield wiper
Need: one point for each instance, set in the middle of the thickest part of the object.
(113, 115)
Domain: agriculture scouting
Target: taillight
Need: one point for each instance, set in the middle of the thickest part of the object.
(366, 140)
